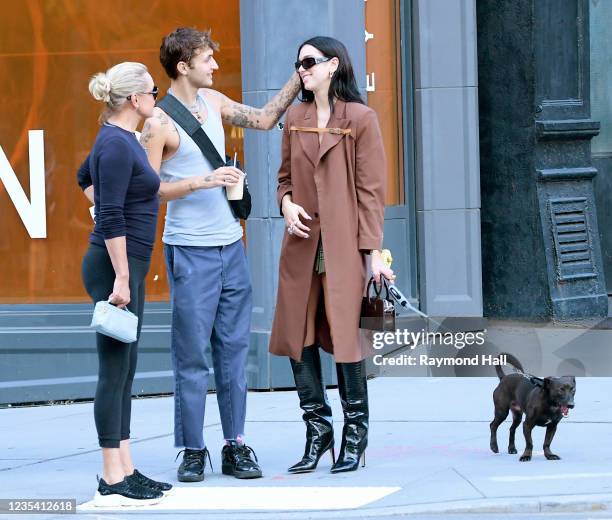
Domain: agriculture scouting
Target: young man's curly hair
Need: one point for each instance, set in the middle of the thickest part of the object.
(182, 45)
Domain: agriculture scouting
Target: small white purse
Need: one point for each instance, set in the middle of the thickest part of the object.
(114, 322)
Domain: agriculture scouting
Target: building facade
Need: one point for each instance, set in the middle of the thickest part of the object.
(541, 239)
(417, 61)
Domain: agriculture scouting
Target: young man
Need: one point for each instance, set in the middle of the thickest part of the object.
(205, 257)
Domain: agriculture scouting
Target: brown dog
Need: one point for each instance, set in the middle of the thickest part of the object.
(543, 401)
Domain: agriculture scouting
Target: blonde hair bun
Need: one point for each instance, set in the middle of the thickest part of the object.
(100, 87)
(114, 86)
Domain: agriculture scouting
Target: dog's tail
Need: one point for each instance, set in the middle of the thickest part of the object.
(511, 360)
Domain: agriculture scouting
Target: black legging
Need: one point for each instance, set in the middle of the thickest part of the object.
(117, 360)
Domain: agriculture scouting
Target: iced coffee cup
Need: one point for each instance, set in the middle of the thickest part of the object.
(234, 192)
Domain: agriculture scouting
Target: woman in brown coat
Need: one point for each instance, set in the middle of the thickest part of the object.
(331, 193)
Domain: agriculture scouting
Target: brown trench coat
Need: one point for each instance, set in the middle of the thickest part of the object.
(341, 185)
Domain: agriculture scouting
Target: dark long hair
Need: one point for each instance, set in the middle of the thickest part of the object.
(343, 84)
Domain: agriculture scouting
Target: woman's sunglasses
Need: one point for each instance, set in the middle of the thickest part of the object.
(154, 93)
(310, 62)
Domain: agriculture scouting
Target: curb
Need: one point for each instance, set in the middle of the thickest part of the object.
(506, 505)
(513, 505)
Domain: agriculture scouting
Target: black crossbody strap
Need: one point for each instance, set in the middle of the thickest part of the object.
(183, 117)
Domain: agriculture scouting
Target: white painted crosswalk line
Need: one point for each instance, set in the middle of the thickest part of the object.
(280, 498)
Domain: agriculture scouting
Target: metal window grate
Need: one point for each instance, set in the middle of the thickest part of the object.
(572, 240)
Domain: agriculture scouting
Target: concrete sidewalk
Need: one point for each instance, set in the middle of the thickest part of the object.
(428, 453)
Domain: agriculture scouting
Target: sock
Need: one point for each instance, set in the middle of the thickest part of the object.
(238, 440)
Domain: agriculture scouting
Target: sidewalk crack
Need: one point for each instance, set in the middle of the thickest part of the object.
(482, 495)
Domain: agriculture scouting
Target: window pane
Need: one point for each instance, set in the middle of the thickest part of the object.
(48, 52)
(384, 70)
(601, 74)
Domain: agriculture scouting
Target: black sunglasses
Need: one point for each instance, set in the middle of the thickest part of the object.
(310, 62)
(154, 93)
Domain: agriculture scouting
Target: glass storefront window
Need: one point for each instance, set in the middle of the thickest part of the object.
(48, 52)
(383, 65)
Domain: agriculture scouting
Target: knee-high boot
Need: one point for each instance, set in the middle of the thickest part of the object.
(317, 411)
(353, 389)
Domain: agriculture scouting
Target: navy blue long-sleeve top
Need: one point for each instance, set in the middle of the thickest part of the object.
(125, 191)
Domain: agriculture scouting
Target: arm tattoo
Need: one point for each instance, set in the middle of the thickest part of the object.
(244, 116)
(208, 178)
(250, 117)
(279, 103)
(163, 118)
(146, 135)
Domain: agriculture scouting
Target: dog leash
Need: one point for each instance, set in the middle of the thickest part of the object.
(537, 381)
(399, 296)
(403, 301)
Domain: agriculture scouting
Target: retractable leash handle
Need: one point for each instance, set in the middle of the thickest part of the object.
(395, 292)
(403, 301)
(398, 295)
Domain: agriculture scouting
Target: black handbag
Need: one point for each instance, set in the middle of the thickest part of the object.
(378, 310)
(183, 117)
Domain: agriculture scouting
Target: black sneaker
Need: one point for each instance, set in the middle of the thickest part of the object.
(240, 461)
(192, 467)
(125, 493)
(141, 479)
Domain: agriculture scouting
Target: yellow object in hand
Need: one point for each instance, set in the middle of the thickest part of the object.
(386, 257)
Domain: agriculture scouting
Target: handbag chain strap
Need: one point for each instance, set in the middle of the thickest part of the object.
(383, 284)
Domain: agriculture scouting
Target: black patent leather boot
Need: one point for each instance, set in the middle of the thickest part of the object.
(317, 411)
(353, 389)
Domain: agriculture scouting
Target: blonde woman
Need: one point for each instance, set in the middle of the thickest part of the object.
(125, 192)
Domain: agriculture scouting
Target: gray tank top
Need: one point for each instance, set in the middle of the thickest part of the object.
(204, 217)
